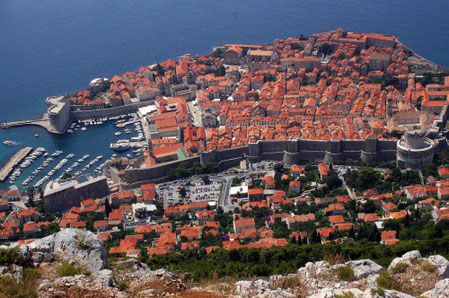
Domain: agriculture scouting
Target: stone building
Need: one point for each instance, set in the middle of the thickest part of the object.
(414, 150)
(58, 110)
(63, 196)
(233, 55)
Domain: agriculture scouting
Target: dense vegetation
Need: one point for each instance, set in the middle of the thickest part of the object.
(368, 178)
(10, 256)
(247, 262)
(184, 170)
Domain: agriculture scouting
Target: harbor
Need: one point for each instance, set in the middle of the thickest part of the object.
(84, 149)
(16, 159)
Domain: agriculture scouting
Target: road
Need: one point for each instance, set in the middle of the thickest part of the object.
(195, 111)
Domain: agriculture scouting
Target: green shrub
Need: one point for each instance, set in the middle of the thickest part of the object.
(428, 267)
(71, 270)
(378, 291)
(386, 281)
(122, 285)
(346, 273)
(400, 268)
(10, 256)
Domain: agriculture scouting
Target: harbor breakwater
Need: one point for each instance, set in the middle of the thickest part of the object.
(60, 114)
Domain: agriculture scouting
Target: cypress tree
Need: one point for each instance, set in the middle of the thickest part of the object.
(107, 207)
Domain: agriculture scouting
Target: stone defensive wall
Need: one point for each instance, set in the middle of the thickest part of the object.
(290, 152)
(79, 114)
(150, 175)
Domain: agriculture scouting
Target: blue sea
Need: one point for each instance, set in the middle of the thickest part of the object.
(49, 47)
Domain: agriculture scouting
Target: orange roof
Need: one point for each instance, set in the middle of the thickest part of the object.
(244, 222)
(389, 206)
(325, 232)
(29, 227)
(166, 150)
(190, 245)
(371, 217)
(335, 219)
(255, 191)
(345, 226)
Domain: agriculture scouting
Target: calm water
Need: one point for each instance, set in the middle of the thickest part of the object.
(49, 47)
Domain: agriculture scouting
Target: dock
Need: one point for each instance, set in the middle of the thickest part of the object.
(21, 154)
(120, 125)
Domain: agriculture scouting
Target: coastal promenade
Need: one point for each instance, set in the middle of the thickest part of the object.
(21, 154)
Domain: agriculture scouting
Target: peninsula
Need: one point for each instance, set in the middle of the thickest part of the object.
(252, 161)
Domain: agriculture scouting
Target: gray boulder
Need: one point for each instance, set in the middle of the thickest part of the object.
(327, 293)
(252, 288)
(407, 258)
(71, 245)
(364, 268)
(441, 263)
(12, 270)
(103, 277)
(387, 294)
(441, 289)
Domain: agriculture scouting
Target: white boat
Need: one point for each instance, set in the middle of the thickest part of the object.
(8, 143)
(121, 145)
(117, 133)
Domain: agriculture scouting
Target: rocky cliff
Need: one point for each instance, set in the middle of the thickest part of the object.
(73, 263)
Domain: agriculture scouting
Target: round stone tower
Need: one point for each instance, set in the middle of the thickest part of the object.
(415, 150)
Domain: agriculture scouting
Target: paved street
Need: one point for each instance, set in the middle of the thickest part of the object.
(195, 111)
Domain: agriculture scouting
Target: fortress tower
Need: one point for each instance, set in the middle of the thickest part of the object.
(414, 150)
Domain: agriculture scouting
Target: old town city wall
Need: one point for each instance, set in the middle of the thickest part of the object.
(80, 114)
(290, 152)
(152, 174)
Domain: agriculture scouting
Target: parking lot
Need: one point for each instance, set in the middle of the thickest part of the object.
(196, 190)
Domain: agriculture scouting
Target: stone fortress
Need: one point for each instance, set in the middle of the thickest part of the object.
(415, 150)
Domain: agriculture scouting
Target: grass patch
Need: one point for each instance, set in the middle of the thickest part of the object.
(9, 287)
(428, 267)
(378, 291)
(289, 282)
(386, 281)
(346, 273)
(122, 285)
(400, 268)
(71, 270)
(348, 295)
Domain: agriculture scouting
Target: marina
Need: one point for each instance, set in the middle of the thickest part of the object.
(70, 152)
(17, 158)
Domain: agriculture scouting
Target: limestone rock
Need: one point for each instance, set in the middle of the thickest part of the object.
(364, 268)
(441, 289)
(407, 258)
(387, 294)
(252, 288)
(327, 293)
(71, 245)
(441, 263)
(12, 270)
(103, 277)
